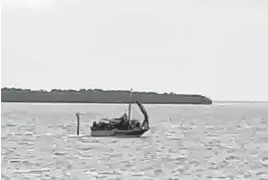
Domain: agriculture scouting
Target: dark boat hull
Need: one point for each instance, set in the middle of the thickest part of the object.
(118, 133)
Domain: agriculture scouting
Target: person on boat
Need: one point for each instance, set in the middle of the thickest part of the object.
(94, 124)
(124, 117)
(123, 124)
(137, 124)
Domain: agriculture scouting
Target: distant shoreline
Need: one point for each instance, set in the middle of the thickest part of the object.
(48, 102)
(98, 96)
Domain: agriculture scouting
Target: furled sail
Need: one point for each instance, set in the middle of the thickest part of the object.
(145, 122)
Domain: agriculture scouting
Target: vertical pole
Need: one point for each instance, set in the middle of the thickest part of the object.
(129, 105)
(77, 123)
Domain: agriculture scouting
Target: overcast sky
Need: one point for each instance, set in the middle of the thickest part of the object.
(218, 48)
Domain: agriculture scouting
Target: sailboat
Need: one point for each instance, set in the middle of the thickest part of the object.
(123, 126)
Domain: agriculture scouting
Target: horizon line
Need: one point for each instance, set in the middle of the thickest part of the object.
(240, 101)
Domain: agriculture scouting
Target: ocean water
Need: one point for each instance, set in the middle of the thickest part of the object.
(221, 141)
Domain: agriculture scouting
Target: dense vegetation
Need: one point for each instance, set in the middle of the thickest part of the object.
(98, 96)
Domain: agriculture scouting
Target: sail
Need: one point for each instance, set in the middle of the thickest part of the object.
(145, 123)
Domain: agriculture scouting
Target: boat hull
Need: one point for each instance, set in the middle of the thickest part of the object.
(118, 133)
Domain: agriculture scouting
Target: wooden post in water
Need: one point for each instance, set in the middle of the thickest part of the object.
(77, 123)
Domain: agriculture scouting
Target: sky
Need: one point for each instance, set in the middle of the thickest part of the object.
(217, 48)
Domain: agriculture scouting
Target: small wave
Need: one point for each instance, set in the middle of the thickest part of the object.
(32, 171)
(14, 161)
(264, 162)
(29, 133)
(85, 148)
(60, 153)
(232, 158)
(10, 125)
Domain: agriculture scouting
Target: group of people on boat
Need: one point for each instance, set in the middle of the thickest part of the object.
(122, 123)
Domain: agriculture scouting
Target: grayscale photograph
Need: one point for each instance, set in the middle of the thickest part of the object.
(134, 89)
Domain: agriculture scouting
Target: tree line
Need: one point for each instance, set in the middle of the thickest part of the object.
(98, 96)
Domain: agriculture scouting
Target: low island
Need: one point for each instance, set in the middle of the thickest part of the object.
(98, 96)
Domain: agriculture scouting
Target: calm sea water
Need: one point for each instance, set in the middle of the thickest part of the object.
(222, 141)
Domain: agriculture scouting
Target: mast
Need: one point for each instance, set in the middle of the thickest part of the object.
(129, 105)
